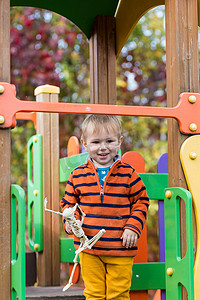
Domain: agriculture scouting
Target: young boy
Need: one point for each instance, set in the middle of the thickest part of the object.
(113, 197)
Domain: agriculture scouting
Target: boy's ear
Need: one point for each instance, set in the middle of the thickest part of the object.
(120, 140)
(84, 144)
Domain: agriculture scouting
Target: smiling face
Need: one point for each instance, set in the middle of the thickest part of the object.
(102, 145)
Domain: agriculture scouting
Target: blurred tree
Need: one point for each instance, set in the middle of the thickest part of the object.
(141, 80)
(48, 49)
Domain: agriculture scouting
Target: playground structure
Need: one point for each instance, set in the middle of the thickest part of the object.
(141, 281)
(98, 23)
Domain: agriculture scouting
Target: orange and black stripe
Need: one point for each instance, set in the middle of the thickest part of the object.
(122, 203)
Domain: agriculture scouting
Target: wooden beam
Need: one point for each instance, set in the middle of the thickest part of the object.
(48, 127)
(5, 158)
(182, 75)
(103, 61)
(182, 70)
(55, 227)
(44, 261)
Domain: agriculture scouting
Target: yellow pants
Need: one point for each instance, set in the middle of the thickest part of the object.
(106, 277)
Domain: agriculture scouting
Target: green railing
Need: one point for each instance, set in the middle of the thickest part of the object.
(18, 269)
(179, 270)
(35, 192)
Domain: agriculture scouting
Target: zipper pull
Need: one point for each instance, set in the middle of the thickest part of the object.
(101, 195)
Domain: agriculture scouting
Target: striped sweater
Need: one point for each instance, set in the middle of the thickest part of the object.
(121, 203)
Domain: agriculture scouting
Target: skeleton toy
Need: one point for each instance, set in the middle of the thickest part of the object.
(85, 243)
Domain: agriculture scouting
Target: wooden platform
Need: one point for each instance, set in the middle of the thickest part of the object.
(47, 293)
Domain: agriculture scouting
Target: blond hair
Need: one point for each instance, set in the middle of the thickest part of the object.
(101, 121)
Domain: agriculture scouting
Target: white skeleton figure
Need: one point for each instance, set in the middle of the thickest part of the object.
(85, 243)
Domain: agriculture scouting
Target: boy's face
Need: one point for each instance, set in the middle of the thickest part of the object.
(102, 145)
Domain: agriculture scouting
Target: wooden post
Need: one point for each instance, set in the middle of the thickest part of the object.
(48, 126)
(5, 158)
(103, 61)
(182, 75)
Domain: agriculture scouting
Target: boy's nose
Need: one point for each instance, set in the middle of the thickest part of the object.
(102, 146)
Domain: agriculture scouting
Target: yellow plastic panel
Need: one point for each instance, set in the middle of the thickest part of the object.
(190, 159)
(128, 14)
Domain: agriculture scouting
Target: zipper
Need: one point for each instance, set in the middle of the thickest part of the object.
(98, 182)
(102, 189)
(101, 195)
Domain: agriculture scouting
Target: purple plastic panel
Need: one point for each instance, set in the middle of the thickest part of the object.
(162, 164)
(162, 167)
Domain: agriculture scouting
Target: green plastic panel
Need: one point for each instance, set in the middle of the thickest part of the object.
(141, 279)
(182, 268)
(68, 164)
(148, 276)
(155, 184)
(18, 269)
(35, 192)
(67, 250)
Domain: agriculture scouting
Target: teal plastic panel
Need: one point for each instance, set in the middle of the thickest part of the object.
(182, 268)
(35, 192)
(18, 269)
(68, 164)
(155, 184)
(148, 276)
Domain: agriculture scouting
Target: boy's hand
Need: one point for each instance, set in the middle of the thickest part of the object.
(129, 238)
(68, 228)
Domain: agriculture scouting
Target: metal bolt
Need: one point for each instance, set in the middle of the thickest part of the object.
(193, 155)
(35, 192)
(35, 139)
(70, 249)
(193, 127)
(170, 271)
(168, 194)
(137, 276)
(2, 89)
(192, 99)
(36, 247)
(2, 120)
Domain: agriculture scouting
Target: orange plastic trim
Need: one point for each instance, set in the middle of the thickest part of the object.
(27, 116)
(73, 146)
(73, 149)
(185, 112)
